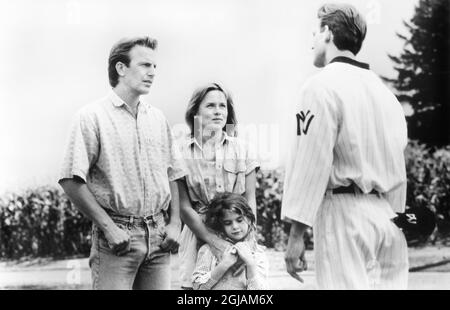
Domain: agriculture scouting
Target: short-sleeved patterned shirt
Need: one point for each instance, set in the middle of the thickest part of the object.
(127, 161)
(234, 160)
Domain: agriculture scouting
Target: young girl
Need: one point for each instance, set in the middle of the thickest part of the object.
(230, 216)
(217, 161)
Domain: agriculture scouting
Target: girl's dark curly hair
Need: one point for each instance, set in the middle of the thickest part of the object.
(231, 202)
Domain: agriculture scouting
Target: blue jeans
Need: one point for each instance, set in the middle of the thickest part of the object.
(144, 267)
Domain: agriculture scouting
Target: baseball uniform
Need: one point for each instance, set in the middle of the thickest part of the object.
(346, 177)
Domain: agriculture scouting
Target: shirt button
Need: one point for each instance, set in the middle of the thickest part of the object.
(219, 166)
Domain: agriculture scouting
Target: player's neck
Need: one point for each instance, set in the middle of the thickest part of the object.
(333, 53)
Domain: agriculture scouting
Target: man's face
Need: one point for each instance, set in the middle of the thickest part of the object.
(319, 45)
(139, 74)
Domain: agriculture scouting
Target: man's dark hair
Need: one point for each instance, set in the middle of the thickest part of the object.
(120, 53)
(348, 26)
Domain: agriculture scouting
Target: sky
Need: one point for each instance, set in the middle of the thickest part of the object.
(54, 60)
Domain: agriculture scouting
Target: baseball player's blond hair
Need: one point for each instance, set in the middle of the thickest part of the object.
(347, 24)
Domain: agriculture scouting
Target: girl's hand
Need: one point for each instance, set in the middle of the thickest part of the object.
(244, 252)
(229, 257)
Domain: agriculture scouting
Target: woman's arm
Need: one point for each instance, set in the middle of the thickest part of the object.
(195, 223)
(250, 190)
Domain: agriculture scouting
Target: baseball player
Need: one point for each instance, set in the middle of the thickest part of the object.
(346, 174)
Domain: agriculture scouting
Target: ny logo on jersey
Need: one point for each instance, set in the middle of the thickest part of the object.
(411, 218)
(303, 122)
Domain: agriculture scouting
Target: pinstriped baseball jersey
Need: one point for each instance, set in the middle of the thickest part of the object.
(349, 128)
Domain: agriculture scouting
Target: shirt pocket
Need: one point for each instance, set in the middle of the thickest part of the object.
(234, 175)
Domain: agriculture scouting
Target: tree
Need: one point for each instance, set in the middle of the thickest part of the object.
(423, 72)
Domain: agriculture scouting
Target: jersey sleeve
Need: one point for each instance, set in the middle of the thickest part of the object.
(314, 131)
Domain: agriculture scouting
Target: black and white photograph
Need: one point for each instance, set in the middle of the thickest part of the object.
(232, 145)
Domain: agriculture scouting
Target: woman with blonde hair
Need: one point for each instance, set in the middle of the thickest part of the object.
(217, 162)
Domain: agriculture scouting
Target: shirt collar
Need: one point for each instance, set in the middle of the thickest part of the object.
(115, 99)
(193, 140)
(352, 62)
(118, 102)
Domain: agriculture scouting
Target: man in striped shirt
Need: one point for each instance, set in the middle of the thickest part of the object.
(120, 170)
(346, 175)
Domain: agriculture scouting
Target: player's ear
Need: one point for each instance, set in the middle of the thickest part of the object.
(328, 34)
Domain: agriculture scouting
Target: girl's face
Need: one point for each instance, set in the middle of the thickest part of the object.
(235, 225)
(213, 111)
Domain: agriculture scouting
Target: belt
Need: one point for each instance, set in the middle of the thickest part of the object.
(352, 189)
(152, 219)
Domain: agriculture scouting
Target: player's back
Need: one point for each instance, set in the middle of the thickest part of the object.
(372, 131)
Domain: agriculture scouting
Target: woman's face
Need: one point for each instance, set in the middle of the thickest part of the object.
(235, 225)
(213, 111)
